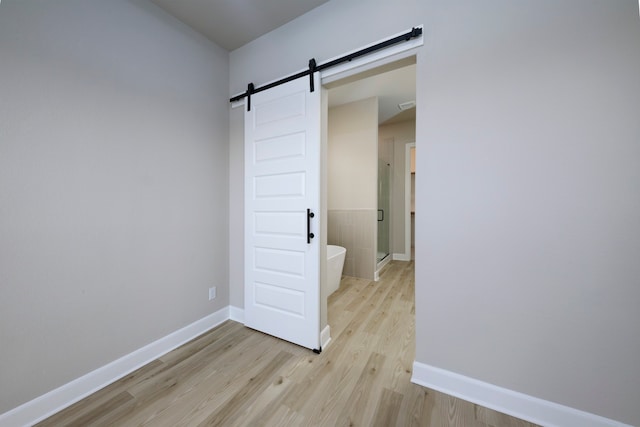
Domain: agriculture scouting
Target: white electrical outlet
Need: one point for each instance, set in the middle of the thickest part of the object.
(212, 293)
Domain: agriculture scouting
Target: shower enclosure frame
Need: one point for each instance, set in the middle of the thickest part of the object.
(383, 239)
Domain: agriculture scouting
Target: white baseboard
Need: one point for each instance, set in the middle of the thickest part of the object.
(379, 267)
(325, 337)
(54, 401)
(236, 314)
(401, 257)
(529, 408)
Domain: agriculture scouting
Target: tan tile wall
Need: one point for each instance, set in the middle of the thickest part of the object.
(355, 231)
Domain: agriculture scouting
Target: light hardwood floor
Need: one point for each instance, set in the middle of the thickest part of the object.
(234, 376)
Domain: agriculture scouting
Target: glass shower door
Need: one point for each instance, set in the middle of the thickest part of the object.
(384, 203)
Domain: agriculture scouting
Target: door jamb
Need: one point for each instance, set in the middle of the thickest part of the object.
(407, 200)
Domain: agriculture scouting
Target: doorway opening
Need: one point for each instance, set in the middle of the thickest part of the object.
(371, 119)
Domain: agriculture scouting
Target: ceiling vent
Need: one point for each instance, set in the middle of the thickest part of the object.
(407, 105)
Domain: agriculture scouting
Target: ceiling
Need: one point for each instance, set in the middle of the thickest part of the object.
(391, 87)
(234, 23)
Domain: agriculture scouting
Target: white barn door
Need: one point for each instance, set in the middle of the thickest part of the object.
(282, 184)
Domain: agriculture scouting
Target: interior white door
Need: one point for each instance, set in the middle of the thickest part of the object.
(282, 184)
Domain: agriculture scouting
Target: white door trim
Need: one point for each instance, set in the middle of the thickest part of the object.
(407, 199)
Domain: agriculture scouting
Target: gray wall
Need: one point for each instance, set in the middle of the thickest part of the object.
(527, 197)
(236, 206)
(113, 185)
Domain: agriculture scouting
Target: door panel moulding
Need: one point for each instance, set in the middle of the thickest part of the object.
(282, 196)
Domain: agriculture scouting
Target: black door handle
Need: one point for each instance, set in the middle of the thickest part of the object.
(380, 217)
(310, 235)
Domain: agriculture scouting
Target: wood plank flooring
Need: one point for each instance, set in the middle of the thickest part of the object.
(235, 376)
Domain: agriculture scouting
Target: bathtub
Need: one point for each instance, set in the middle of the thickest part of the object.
(335, 263)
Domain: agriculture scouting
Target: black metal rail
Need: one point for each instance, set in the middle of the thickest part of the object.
(313, 67)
